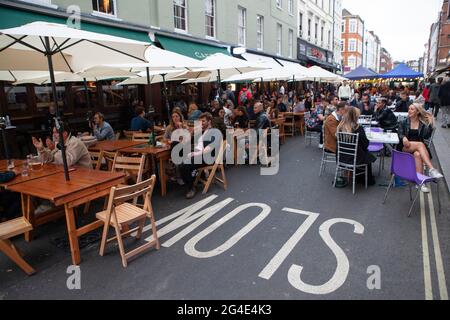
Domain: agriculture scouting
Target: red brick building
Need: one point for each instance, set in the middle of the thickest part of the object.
(444, 37)
(352, 41)
(386, 63)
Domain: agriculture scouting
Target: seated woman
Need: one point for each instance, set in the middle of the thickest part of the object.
(194, 114)
(315, 122)
(176, 122)
(413, 132)
(349, 124)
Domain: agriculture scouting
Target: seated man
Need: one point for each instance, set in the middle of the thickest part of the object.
(102, 129)
(262, 120)
(76, 152)
(384, 116)
(366, 107)
(139, 123)
(188, 170)
(330, 127)
(281, 106)
(404, 103)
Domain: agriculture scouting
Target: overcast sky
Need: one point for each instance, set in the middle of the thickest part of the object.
(402, 25)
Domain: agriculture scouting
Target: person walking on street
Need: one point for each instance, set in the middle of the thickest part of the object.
(434, 96)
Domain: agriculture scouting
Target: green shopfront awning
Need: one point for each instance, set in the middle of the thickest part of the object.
(191, 49)
(11, 18)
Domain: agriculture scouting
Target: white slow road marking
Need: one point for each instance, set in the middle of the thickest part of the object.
(276, 262)
(426, 251)
(437, 251)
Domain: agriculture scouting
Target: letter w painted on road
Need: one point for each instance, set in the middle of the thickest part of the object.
(186, 216)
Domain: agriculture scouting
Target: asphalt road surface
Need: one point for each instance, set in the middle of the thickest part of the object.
(285, 237)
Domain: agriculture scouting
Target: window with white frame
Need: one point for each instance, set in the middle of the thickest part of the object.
(352, 62)
(309, 27)
(210, 18)
(353, 26)
(279, 39)
(180, 14)
(242, 26)
(260, 32)
(279, 4)
(352, 45)
(291, 7)
(343, 45)
(291, 43)
(104, 6)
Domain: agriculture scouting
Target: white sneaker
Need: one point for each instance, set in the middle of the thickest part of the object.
(435, 174)
(320, 146)
(180, 182)
(43, 208)
(425, 189)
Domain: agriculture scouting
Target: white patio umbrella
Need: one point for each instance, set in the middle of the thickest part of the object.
(32, 43)
(321, 74)
(218, 66)
(14, 76)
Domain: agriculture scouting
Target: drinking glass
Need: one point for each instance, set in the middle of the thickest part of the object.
(36, 163)
(10, 164)
(25, 170)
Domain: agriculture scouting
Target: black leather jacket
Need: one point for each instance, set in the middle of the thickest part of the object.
(386, 119)
(425, 132)
(403, 106)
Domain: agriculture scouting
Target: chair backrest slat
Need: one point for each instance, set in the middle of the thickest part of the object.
(125, 194)
(347, 146)
(141, 137)
(130, 164)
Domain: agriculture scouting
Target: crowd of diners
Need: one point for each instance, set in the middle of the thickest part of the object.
(331, 109)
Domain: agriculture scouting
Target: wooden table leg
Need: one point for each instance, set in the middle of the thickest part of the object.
(162, 174)
(8, 248)
(28, 214)
(72, 233)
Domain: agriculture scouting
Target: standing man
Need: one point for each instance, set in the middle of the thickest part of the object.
(444, 97)
(230, 94)
(244, 96)
(102, 129)
(435, 102)
(345, 92)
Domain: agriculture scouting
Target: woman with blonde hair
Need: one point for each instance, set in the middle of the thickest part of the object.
(413, 133)
(194, 114)
(349, 124)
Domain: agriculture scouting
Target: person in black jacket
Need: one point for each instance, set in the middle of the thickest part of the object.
(404, 103)
(444, 97)
(413, 133)
(384, 116)
(366, 107)
(349, 124)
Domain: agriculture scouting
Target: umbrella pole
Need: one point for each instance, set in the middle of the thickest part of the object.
(220, 85)
(149, 83)
(262, 87)
(62, 143)
(165, 95)
(88, 100)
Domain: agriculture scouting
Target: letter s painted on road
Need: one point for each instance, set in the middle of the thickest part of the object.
(343, 265)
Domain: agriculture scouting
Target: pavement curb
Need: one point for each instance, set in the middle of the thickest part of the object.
(441, 144)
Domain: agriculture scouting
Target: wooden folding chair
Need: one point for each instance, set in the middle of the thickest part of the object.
(289, 124)
(132, 166)
(262, 149)
(121, 215)
(213, 171)
(9, 230)
(141, 137)
(118, 135)
(128, 135)
(96, 158)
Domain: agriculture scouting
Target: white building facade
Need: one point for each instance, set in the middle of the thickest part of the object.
(319, 32)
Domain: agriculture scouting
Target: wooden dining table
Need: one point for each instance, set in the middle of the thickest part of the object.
(113, 146)
(47, 169)
(85, 185)
(158, 154)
